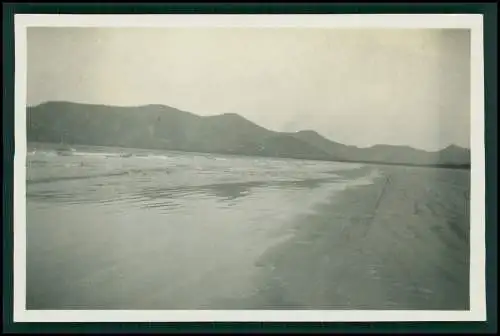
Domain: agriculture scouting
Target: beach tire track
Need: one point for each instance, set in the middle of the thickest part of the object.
(374, 213)
(396, 258)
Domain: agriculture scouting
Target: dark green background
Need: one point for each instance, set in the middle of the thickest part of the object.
(489, 10)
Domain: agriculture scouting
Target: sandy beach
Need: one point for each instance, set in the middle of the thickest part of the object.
(400, 243)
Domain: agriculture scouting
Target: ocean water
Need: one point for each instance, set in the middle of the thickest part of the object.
(112, 228)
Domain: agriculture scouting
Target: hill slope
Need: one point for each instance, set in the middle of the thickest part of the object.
(450, 156)
(164, 127)
(159, 127)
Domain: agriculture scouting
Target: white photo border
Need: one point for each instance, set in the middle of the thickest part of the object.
(474, 22)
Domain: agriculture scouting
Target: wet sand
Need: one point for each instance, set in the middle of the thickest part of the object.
(400, 243)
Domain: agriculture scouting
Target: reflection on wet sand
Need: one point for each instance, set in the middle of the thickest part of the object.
(103, 193)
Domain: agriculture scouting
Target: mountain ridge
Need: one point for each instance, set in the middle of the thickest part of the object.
(157, 126)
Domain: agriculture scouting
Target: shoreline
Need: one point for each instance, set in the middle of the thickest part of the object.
(389, 164)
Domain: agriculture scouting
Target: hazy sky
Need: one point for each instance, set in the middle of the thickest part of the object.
(358, 87)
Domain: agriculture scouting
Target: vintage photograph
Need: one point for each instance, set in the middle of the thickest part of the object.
(248, 168)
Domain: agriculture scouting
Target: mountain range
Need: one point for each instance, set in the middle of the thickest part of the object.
(167, 128)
